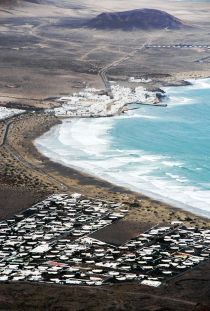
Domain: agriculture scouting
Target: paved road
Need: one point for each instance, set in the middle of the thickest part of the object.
(6, 129)
(7, 122)
(104, 70)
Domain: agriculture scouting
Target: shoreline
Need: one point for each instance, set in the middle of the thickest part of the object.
(73, 180)
(126, 188)
(85, 177)
(147, 211)
(88, 177)
(108, 188)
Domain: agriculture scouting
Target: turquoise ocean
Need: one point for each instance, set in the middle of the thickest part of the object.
(160, 152)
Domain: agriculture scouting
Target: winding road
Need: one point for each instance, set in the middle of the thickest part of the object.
(23, 161)
(104, 70)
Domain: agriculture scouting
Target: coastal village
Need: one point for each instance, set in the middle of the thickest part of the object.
(91, 102)
(7, 113)
(52, 242)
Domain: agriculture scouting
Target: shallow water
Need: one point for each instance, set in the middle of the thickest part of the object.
(162, 152)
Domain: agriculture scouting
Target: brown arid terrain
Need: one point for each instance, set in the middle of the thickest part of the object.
(44, 53)
(189, 292)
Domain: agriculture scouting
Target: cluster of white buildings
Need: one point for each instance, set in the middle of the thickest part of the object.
(139, 80)
(52, 242)
(93, 103)
(8, 112)
(27, 240)
(179, 46)
(164, 252)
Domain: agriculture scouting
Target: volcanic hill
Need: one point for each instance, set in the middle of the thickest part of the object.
(144, 19)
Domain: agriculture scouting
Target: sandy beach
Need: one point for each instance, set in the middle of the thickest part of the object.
(43, 57)
(52, 176)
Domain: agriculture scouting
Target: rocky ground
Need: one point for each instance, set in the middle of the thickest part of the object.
(189, 292)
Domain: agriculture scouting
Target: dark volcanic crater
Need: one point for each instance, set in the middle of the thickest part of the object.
(144, 19)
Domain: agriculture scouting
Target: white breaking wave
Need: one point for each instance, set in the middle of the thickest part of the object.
(200, 83)
(172, 163)
(195, 84)
(90, 137)
(86, 145)
(130, 114)
(177, 101)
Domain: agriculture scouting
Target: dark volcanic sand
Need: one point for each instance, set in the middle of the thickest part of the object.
(189, 292)
(121, 231)
(13, 201)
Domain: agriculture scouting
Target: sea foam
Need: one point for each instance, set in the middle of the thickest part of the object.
(163, 153)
